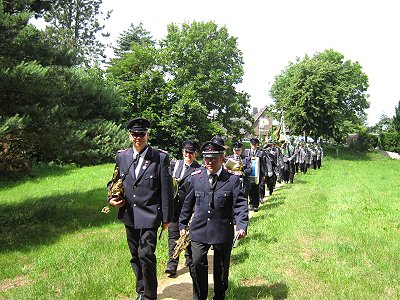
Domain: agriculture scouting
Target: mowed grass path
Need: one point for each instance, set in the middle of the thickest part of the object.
(333, 234)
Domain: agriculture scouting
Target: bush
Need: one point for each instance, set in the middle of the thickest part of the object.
(362, 142)
(95, 142)
(390, 141)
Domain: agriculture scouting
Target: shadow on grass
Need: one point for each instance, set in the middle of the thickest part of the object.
(275, 291)
(39, 171)
(43, 220)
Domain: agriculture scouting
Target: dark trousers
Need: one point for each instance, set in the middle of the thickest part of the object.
(199, 269)
(262, 187)
(318, 163)
(303, 167)
(296, 167)
(254, 195)
(173, 236)
(270, 181)
(142, 245)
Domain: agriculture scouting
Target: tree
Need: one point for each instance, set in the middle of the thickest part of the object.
(134, 35)
(321, 95)
(186, 86)
(50, 109)
(203, 61)
(76, 25)
(384, 125)
(396, 119)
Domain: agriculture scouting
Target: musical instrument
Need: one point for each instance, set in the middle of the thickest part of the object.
(182, 242)
(234, 165)
(175, 183)
(116, 190)
(255, 170)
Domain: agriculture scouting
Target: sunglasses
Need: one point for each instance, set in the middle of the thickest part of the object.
(138, 134)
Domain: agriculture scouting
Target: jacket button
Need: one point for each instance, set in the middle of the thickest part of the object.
(134, 196)
(209, 212)
(134, 204)
(208, 219)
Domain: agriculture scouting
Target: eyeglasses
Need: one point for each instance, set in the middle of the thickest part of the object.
(138, 134)
(188, 152)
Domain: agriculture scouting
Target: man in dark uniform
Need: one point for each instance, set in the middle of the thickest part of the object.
(244, 163)
(289, 155)
(254, 193)
(183, 169)
(215, 196)
(270, 166)
(147, 203)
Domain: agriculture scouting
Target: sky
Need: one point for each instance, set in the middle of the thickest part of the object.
(271, 34)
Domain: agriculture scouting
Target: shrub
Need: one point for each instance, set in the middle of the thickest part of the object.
(390, 141)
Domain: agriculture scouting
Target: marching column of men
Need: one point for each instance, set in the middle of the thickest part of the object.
(211, 200)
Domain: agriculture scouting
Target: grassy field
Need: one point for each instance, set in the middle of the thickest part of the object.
(334, 234)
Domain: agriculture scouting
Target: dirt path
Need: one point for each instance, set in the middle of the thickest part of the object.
(179, 287)
(392, 155)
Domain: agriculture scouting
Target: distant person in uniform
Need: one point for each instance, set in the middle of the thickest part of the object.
(182, 170)
(215, 197)
(254, 192)
(147, 203)
(244, 163)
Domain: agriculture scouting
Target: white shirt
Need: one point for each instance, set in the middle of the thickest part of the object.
(141, 159)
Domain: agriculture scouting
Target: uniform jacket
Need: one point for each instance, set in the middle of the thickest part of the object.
(261, 154)
(149, 197)
(180, 197)
(213, 224)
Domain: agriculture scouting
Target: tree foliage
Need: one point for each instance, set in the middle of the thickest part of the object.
(136, 34)
(323, 95)
(50, 109)
(396, 119)
(76, 25)
(186, 85)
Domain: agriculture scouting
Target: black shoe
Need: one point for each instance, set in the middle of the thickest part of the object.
(255, 209)
(140, 297)
(170, 271)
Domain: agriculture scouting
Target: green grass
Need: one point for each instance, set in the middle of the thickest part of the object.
(334, 234)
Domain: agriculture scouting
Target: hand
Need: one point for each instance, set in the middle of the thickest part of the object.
(270, 174)
(117, 202)
(182, 232)
(241, 233)
(165, 225)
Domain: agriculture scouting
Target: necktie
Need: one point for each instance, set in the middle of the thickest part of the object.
(212, 179)
(135, 163)
(184, 171)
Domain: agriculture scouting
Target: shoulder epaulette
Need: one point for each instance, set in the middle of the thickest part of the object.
(196, 172)
(233, 172)
(163, 151)
(122, 150)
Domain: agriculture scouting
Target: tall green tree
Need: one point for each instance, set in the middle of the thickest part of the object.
(396, 119)
(50, 109)
(135, 34)
(186, 85)
(322, 95)
(77, 25)
(204, 62)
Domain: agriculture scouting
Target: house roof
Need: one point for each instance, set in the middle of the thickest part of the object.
(259, 114)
